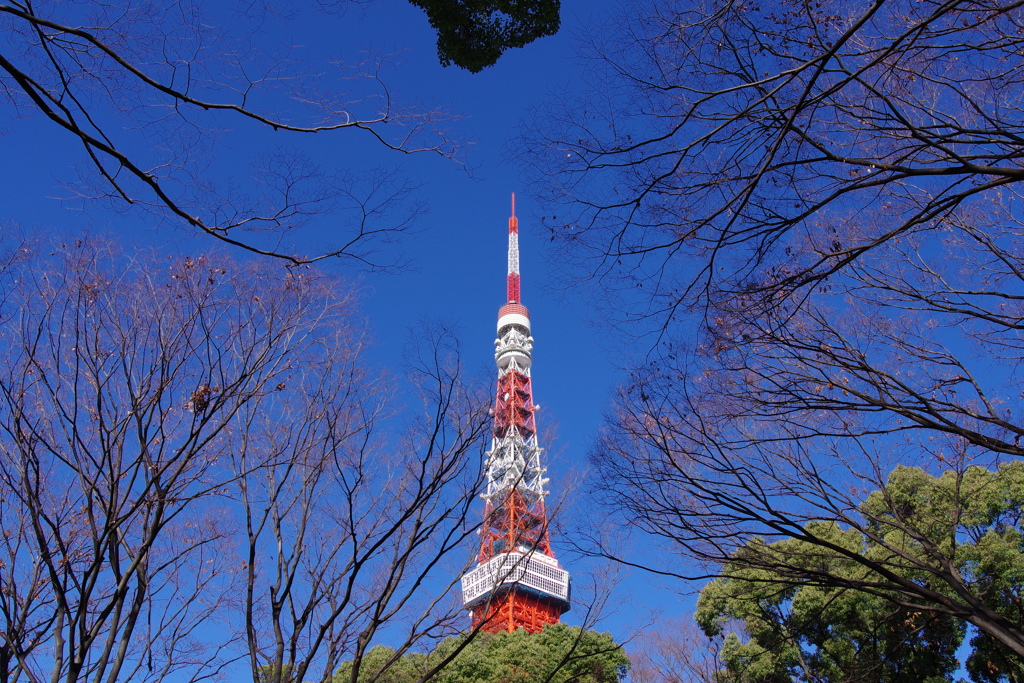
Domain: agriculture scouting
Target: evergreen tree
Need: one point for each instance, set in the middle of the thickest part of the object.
(558, 654)
(834, 609)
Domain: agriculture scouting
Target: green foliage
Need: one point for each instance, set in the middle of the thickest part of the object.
(974, 518)
(381, 664)
(265, 674)
(824, 610)
(558, 654)
(823, 632)
(473, 34)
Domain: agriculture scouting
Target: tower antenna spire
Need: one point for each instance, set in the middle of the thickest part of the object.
(517, 582)
(512, 288)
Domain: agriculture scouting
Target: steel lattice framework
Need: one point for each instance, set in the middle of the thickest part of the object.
(517, 582)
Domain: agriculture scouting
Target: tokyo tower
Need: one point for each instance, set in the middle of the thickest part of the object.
(517, 582)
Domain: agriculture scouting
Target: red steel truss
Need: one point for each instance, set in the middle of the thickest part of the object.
(514, 610)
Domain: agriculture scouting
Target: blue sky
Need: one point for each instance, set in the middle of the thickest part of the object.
(457, 254)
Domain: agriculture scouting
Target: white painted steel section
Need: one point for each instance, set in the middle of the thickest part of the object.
(513, 319)
(514, 346)
(535, 571)
(513, 252)
(513, 463)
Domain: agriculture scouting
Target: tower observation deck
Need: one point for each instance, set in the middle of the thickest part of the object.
(517, 582)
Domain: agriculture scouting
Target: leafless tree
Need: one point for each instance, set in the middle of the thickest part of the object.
(673, 651)
(194, 478)
(783, 141)
(150, 90)
(813, 206)
(348, 534)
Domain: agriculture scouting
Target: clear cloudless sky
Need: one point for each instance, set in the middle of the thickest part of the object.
(457, 253)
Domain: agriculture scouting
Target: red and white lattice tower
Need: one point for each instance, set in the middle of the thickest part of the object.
(517, 582)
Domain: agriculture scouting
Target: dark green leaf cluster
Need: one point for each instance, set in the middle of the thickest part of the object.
(973, 518)
(473, 34)
(266, 674)
(382, 664)
(826, 610)
(558, 654)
